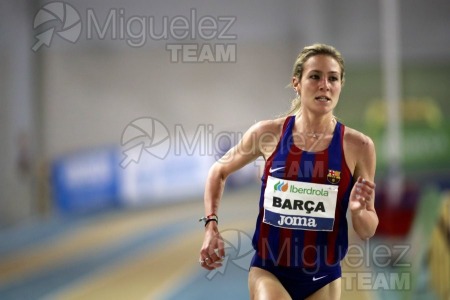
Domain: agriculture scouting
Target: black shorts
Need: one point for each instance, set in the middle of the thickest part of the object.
(299, 282)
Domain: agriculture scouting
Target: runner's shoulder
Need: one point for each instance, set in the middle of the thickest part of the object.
(274, 126)
(358, 142)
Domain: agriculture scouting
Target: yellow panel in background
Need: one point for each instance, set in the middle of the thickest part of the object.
(439, 259)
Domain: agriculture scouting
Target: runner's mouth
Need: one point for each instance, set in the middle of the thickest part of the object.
(323, 99)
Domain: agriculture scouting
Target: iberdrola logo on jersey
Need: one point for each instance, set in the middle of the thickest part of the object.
(281, 186)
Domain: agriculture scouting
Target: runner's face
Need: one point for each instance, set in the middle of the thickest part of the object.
(320, 85)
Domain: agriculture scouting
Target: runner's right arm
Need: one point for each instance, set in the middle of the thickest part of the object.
(257, 141)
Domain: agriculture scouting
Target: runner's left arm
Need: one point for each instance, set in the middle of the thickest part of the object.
(362, 197)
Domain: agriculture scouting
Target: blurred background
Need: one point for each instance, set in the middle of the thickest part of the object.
(112, 112)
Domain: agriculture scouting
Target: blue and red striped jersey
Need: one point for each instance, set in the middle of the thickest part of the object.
(308, 249)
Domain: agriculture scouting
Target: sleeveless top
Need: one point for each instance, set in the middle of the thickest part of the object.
(296, 226)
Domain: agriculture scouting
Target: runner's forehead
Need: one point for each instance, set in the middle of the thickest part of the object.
(323, 64)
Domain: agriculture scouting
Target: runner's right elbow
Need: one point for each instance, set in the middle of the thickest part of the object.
(217, 171)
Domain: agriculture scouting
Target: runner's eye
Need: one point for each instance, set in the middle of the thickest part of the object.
(333, 78)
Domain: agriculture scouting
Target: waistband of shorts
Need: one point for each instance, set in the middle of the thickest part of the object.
(294, 272)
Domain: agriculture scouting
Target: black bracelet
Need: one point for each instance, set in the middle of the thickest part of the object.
(209, 220)
(211, 217)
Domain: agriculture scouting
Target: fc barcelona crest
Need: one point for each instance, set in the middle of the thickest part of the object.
(334, 176)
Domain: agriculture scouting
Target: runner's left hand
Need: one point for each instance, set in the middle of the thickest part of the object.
(362, 195)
